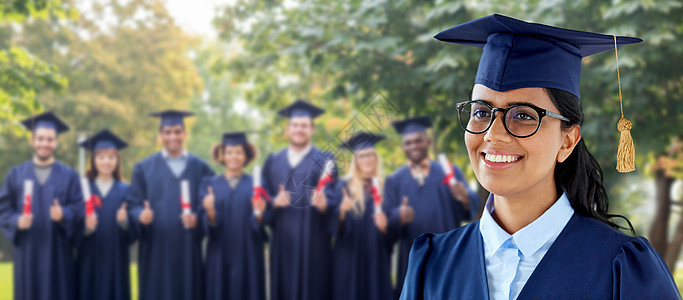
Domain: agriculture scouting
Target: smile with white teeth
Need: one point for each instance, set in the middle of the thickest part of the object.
(500, 158)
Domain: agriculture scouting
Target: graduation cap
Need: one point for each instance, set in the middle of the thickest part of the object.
(518, 54)
(410, 125)
(362, 140)
(45, 120)
(301, 108)
(104, 139)
(234, 138)
(172, 117)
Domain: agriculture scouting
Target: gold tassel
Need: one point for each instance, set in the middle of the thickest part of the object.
(626, 154)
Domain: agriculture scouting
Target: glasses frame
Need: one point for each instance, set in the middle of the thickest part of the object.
(541, 112)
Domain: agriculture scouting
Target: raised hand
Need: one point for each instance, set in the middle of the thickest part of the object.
(209, 201)
(122, 213)
(282, 198)
(459, 191)
(147, 214)
(320, 201)
(406, 212)
(56, 212)
(346, 204)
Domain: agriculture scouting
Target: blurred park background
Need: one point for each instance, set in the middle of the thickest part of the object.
(107, 64)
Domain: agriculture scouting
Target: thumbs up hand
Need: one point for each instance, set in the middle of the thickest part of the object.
(282, 199)
(147, 215)
(381, 222)
(319, 200)
(56, 212)
(122, 214)
(209, 201)
(406, 212)
(346, 204)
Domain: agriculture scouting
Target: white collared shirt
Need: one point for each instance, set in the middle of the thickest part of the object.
(177, 164)
(295, 157)
(511, 259)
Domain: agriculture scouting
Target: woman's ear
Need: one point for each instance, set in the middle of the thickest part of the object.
(570, 138)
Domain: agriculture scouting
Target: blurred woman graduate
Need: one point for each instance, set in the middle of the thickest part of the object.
(233, 221)
(103, 257)
(362, 250)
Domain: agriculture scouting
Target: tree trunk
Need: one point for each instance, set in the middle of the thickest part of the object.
(674, 248)
(659, 230)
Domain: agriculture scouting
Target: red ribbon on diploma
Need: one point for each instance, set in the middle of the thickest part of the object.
(260, 192)
(27, 205)
(184, 204)
(375, 196)
(91, 203)
(448, 177)
(323, 181)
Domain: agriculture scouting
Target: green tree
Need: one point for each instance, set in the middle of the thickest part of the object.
(345, 51)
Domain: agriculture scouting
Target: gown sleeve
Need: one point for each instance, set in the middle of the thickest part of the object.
(640, 273)
(413, 285)
(335, 198)
(9, 213)
(271, 190)
(391, 206)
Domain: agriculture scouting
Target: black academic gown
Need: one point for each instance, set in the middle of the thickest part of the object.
(102, 263)
(43, 254)
(436, 210)
(362, 254)
(235, 262)
(300, 248)
(169, 256)
(588, 260)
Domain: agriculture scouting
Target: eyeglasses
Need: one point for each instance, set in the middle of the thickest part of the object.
(520, 120)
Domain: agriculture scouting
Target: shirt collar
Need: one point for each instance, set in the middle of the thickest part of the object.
(533, 236)
(424, 163)
(165, 154)
(301, 153)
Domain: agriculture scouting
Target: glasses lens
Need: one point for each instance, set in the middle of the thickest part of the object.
(522, 120)
(475, 117)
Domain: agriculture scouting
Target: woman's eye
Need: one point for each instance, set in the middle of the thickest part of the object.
(480, 113)
(524, 117)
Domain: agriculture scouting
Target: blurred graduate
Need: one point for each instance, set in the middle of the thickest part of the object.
(233, 222)
(546, 232)
(102, 263)
(300, 248)
(170, 254)
(420, 195)
(362, 248)
(41, 207)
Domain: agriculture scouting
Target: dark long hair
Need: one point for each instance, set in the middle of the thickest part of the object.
(92, 172)
(580, 175)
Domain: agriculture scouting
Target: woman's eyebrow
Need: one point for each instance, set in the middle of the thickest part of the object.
(519, 103)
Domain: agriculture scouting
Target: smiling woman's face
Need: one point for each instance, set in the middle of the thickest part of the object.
(525, 164)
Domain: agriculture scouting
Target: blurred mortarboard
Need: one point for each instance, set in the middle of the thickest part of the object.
(172, 117)
(518, 54)
(234, 138)
(301, 108)
(410, 125)
(45, 120)
(104, 139)
(362, 140)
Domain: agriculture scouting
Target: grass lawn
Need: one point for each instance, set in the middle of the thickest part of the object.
(6, 281)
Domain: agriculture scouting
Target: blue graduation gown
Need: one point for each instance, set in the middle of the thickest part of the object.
(300, 248)
(43, 254)
(436, 210)
(169, 256)
(235, 262)
(588, 260)
(362, 254)
(102, 262)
